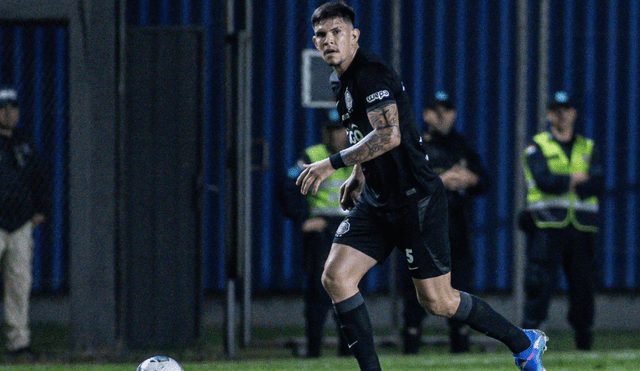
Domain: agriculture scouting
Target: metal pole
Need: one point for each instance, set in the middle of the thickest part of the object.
(246, 196)
(230, 213)
(396, 48)
(521, 140)
(396, 34)
(543, 75)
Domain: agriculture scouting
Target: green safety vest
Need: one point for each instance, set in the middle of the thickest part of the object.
(326, 202)
(559, 211)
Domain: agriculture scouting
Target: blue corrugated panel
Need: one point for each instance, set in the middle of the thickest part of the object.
(33, 59)
(594, 55)
(59, 218)
(466, 47)
(633, 150)
(37, 121)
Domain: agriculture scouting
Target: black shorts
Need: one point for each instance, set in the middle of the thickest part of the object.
(420, 229)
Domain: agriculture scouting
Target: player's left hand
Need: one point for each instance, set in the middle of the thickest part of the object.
(313, 175)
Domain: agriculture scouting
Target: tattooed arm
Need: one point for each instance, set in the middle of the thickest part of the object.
(384, 137)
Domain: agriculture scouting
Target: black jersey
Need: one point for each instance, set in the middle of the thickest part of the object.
(367, 84)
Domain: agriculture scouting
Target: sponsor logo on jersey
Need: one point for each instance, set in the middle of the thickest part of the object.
(354, 134)
(377, 96)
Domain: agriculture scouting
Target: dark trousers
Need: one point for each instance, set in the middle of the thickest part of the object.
(461, 279)
(316, 300)
(550, 250)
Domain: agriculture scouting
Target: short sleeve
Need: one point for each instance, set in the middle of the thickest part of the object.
(376, 86)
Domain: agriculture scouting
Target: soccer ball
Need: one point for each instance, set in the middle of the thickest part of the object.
(160, 363)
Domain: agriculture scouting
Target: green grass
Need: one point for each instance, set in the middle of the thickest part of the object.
(558, 361)
(613, 351)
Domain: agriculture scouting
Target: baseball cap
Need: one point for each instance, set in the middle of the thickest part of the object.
(441, 98)
(560, 99)
(8, 96)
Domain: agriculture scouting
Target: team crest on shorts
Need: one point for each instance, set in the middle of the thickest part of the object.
(343, 228)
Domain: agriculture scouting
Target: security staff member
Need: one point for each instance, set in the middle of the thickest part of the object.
(25, 200)
(460, 169)
(318, 216)
(564, 182)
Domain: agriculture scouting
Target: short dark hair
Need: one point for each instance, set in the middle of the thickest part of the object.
(331, 10)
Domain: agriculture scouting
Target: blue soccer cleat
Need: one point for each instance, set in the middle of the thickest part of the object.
(531, 358)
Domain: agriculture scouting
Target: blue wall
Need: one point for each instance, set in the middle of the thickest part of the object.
(467, 47)
(34, 60)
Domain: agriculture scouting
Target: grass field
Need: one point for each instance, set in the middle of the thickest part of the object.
(621, 360)
(613, 351)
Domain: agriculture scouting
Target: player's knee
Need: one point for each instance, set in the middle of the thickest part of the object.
(330, 282)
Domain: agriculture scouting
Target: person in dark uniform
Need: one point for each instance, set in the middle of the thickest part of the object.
(25, 201)
(463, 176)
(318, 217)
(565, 179)
(395, 199)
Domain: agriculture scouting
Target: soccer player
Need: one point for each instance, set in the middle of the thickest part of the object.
(394, 197)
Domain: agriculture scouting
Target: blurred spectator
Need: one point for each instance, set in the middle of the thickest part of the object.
(24, 202)
(318, 216)
(564, 182)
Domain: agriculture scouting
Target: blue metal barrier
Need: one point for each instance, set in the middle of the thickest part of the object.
(34, 60)
(465, 47)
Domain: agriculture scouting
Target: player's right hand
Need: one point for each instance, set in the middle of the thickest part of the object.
(313, 175)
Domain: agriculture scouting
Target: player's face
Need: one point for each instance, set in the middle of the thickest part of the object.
(337, 40)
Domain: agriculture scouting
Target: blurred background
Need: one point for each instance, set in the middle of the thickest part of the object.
(169, 125)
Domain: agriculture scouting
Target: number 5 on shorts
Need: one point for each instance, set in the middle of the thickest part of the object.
(409, 256)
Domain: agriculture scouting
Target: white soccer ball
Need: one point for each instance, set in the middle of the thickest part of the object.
(160, 363)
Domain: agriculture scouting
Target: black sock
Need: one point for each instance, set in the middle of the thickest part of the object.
(356, 327)
(476, 313)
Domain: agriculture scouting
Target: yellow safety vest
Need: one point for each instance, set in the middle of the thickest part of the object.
(558, 211)
(326, 202)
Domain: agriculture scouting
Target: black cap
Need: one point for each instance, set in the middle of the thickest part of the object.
(442, 99)
(8, 96)
(560, 99)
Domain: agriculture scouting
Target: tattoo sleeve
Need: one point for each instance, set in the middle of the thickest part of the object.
(384, 137)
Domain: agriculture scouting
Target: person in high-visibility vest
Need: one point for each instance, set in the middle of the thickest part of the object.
(565, 180)
(318, 216)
